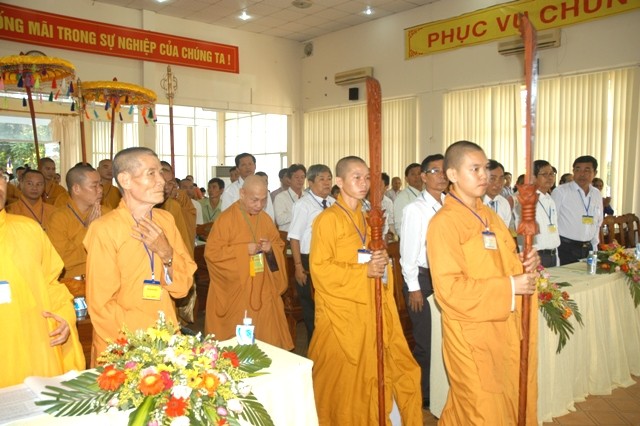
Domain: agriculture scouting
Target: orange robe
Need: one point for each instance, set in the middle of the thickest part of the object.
(40, 212)
(118, 265)
(189, 214)
(343, 346)
(13, 193)
(52, 191)
(110, 195)
(31, 265)
(232, 290)
(177, 212)
(481, 336)
(66, 232)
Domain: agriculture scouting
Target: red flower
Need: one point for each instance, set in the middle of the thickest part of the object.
(122, 341)
(605, 266)
(151, 384)
(166, 380)
(175, 407)
(233, 357)
(624, 268)
(222, 422)
(111, 378)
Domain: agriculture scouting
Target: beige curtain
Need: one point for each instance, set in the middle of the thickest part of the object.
(125, 135)
(490, 117)
(338, 132)
(66, 129)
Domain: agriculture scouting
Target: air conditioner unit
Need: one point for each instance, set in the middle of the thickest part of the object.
(221, 171)
(358, 75)
(545, 40)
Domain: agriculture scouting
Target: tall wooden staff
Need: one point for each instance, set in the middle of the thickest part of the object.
(170, 85)
(376, 221)
(528, 198)
(83, 108)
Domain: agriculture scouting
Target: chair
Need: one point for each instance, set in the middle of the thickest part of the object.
(607, 230)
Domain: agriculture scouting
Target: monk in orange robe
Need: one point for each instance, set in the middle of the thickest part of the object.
(478, 279)
(184, 200)
(245, 258)
(38, 333)
(343, 346)
(13, 194)
(51, 188)
(69, 224)
(30, 203)
(110, 193)
(136, 260)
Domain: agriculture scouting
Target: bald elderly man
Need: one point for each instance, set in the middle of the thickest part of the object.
(245, 258)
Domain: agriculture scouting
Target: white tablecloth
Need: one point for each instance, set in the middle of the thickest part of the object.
(598, 357)
(286, 392)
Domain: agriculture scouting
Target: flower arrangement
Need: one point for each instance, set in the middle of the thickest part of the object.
(556, 307)
(613, 258)
(167, 379)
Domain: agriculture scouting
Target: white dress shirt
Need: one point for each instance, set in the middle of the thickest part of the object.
(413, 246)
(389, 216)
(392, 194)
(231, 194)
(366, 207)
(572, 204)
(547, 220)
(501, 206)
(404, 197)
(198, 206)
(304, 212)
(282, 206)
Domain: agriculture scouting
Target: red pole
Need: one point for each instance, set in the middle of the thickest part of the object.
(32, 112)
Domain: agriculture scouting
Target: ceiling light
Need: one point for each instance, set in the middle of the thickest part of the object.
(244, 15)
(302, 4)
(368, 11)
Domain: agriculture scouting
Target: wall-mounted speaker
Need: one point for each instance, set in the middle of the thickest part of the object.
(354, 93)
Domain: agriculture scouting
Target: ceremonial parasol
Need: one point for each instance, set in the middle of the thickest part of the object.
(528, 198)
(376, 221)
(170, 86)
(29, 71)
(114, 94)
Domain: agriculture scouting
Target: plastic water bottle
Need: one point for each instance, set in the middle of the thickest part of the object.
(592, 263)
(638, 251)
(245, 332)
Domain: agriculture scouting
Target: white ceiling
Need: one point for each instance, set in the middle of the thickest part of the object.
(278, 18)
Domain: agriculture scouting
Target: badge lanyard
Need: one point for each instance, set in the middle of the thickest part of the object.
(253, 234)
(547, 213)
(319, 203)
(363, 237)
(586, 206)
(33, 213)
(484, 223)
(76, 215)
(292, 199)
(411, 190)
(425, 200)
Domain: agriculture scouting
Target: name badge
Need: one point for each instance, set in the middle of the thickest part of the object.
(151, 290)
(256, 264)
(5, 292)
(552, 229)
(490, 241)
(587, 220)
(364, 256)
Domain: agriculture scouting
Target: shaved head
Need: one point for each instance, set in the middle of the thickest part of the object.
(456, 152)
(343, 165)
(253, 194)
(128, 160)
(77, 175)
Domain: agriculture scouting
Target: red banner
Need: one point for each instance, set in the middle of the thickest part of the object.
(48, 29)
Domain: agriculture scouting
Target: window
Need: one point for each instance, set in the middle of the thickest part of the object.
(16, 142)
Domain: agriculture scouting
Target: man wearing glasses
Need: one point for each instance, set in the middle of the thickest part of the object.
(579, 207)
(415, 267)
(492, 198)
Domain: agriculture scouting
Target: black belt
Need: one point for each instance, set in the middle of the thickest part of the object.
(574, 242)
(550, 252)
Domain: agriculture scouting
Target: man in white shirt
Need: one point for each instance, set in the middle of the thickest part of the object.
(304, 212)
(407, 195)
(492, 198)
(283, 203)
(245, 166)
(547, 240)
(580, 215)
(414, 263)
(396, 183)
(285, 182)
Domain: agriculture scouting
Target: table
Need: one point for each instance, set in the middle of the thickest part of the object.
(599, 357)
(286, 392)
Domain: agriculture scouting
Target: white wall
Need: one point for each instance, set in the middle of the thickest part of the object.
(269, 67)
(605, 43)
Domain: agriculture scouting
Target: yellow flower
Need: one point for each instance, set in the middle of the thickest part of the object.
(156, 334)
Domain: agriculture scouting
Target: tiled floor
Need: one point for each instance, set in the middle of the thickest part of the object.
(622, 407)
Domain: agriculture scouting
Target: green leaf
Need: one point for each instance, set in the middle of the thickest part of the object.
(140, 416)
(251, 357)
(254, 412)
(78, 397)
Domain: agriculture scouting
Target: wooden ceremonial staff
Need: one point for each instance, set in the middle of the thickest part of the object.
(83, 108)
(376, 221)
(32, 113)
(528, 198)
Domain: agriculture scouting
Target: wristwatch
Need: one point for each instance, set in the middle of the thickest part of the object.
(169, 263)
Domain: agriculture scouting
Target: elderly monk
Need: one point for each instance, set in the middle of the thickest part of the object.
(51, 189)
(30, 203)
(343, 347)
(478, 278)
(136, 260)
(110, 193)
(245, 258)
(39, 336)
(69, 224)
(188, 209)
(172, 206)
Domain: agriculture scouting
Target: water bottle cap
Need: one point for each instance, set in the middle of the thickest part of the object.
(246, 321)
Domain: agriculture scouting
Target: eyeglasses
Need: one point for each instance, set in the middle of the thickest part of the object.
(434, 171)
